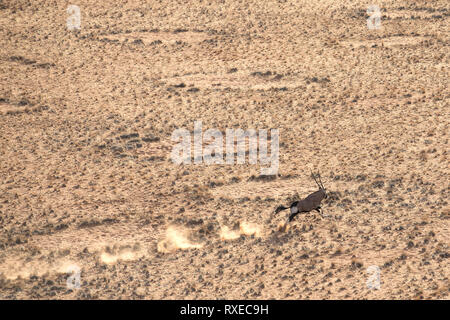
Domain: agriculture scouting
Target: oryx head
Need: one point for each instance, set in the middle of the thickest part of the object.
(320, 185)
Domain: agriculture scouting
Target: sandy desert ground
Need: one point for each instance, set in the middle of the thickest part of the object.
(87, 181)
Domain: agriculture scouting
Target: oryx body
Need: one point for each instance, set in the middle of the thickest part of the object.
(311, 202)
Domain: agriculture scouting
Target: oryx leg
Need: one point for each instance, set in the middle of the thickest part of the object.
(320, 210)
(288, 220)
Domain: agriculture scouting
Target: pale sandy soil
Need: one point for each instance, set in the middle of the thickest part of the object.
(86, 177)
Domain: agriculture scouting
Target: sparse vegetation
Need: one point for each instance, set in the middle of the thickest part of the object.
(86, 120)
